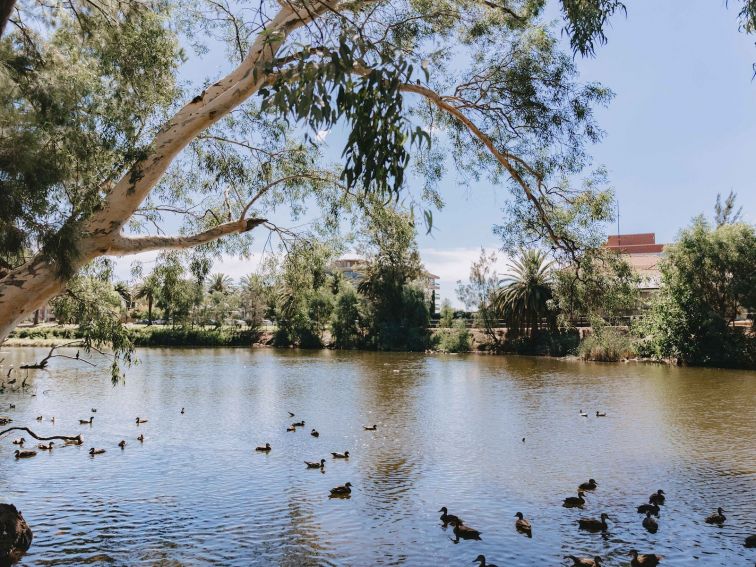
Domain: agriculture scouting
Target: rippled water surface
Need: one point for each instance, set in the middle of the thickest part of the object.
(450, 432)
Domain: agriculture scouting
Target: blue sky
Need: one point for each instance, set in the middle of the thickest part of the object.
(680, 129)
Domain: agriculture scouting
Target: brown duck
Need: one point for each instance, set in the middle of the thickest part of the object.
(343, 490)
(590, 485)
(344, 455)
(86, 421)
(575, 501)
(264, 449)
(447, 518)
(585, 561)
(716, 518)
(314, 433)
(25, 454)
(464, 532)
(644, 559)
(481, 560)
(522, 525)
(94, 451)
(657, 498)
(47, 447)
(315, 464)
(594, 525)
(650, 524)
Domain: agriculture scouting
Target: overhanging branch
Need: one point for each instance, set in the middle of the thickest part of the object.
(125, 245)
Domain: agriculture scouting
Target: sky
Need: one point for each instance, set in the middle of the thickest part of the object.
(680, 129)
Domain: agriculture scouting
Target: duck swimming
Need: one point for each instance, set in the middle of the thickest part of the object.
(653, 508)
(298, 424)
(650, 524)
(86, 421)
(464, 532)
(447, 518)
(20, 441)
(265, 449)
(644, 559)
(575, 501)
(344, 455)
(590, 485)
(344, 490)
(481, 559)
(717, 518)
(122, 443)
(141, 438)
(600, 414)
(585, 561)
(373, 428)
(593, 525)
(583, 414)
(315, 464)
(94, 451)
(522, 525)
(314, 433)
(139, 420)
(657, 498)
(47, 447)
(25, 454)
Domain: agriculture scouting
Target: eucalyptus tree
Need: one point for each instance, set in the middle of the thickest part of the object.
(106, 143)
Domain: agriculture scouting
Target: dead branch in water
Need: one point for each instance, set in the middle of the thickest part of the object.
(38, 438)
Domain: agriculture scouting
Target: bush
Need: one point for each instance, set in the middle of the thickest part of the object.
(180, 336)
(545, 343)
(456, 339)
(607, 345)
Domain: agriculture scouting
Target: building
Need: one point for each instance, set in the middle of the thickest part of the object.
(643, 254)
(353, 269)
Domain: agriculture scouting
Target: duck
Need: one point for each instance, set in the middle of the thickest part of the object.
(481, 559)
(25, 454)
(265, 449)
(657, 498)
(594, 525)
(653, 508)
(141, 438)
(122, 443)
(94, 410)
(314, 433)
(585, 561)
(298, 424)
(52, 419)
(447, 518)
(94, 451)
(315, 464)
(48, 447)
(590, 485)
(86, 421)
(464, 532)
(140, 420)
(373, 428)
(644, 559)
(75, 441)
(20, 441)
(717, 518)
(650, 524)
(750, 541)
(344, 455)
(575, 501)
(291, 429)
(39, 418)
(583, 414)
(342, 490)
(182, 411)
(11, 406)
(522, 525)
(600, 413)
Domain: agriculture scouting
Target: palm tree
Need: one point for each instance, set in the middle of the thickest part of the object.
(523, 296)
(222, 283)
(148, 290)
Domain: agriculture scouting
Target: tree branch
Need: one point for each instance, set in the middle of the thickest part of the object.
(76, 438)
(125, 245)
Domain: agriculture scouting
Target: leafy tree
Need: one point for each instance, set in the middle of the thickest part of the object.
(479, 293)
(447, 315)
(725, 213)
(708, 277)
(221, 283)
(347, 322)
(149, 289)
(90, 159)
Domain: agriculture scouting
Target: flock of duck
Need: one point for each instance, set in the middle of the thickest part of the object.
(23, 453)
(341, 491)
(650, 510)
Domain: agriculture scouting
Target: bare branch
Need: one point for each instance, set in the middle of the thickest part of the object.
(76, 438)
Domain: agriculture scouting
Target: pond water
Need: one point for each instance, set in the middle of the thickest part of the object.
(449, 433)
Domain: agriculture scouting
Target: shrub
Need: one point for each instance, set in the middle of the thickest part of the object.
(455, 339)
(607, 345)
